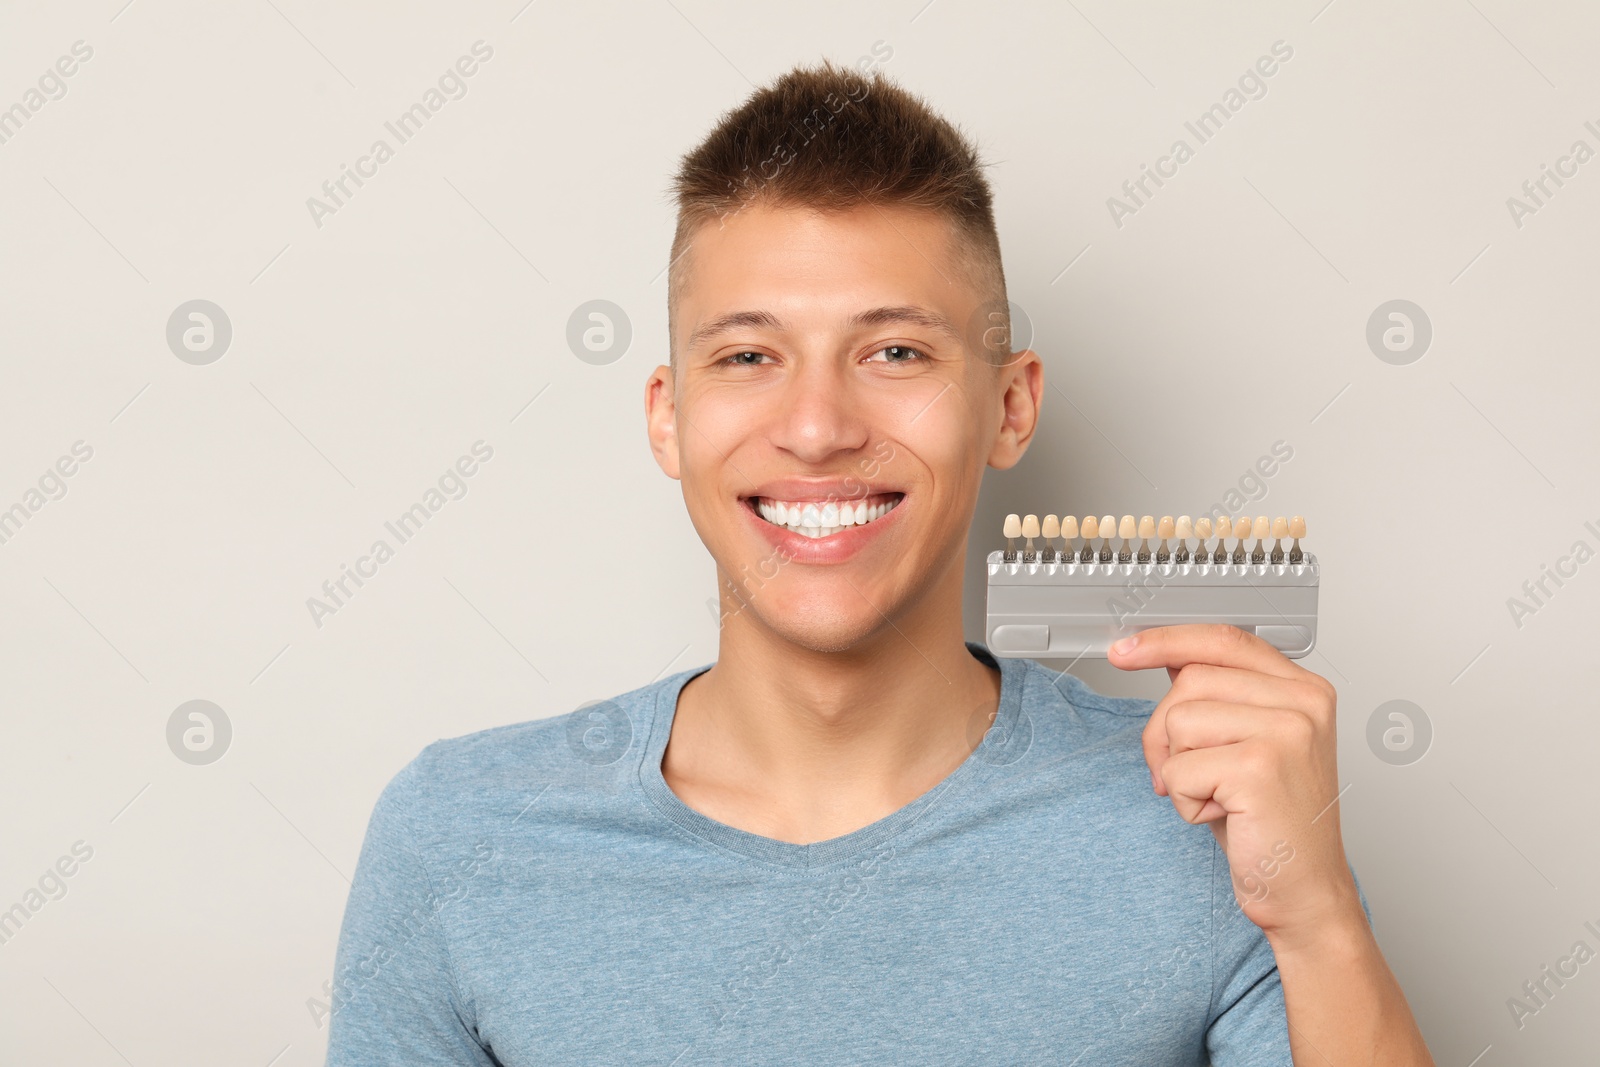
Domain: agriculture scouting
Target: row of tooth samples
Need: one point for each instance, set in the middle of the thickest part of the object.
(1031, 530)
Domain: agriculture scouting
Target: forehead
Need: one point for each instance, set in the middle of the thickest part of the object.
(796, 260)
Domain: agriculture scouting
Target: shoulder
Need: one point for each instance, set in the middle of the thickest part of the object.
(1080, 754)
(1047, 685)
(1080, 717)
(458, 781)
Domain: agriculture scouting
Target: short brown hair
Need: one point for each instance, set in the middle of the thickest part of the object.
(826, 138)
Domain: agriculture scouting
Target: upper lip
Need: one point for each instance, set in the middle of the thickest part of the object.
(821, 490)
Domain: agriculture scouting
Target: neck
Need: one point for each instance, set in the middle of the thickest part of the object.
(801, 745)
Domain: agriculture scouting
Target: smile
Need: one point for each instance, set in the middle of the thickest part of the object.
(824, 518)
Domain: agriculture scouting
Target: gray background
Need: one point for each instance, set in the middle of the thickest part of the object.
(430, 312)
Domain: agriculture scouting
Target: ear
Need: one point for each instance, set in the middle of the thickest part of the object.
(1021, 388)
(661, 419)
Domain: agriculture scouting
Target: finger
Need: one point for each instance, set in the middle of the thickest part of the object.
(1203, 681)
(1185, 643)
(1208, 681)
(1203, 783)
(1193, 724)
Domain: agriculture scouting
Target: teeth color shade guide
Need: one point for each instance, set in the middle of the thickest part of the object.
(1069, 588)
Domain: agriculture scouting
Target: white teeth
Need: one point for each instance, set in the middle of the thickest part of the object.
(829, 518)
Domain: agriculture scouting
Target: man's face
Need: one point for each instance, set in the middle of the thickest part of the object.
(830, 434)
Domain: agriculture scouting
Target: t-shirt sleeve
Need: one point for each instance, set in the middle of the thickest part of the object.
(395, 999)
(1250, 1023)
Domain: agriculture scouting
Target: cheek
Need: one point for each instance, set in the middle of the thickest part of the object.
(939, 437)
(719, 435)
(710, 431)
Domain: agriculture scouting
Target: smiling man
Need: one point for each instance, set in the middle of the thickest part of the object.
(857, 837)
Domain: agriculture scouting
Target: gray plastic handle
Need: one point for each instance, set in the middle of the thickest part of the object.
(1076, 610)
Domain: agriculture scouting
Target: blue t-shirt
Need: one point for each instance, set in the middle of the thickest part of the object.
(537, 894)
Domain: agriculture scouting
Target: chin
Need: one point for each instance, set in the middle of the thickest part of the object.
(815, 629)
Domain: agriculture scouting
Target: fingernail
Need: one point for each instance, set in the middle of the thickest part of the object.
(1126, 644)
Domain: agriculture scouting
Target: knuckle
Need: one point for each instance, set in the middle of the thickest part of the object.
(1256, 761)
(1180, 717)
(1228, 635)
(1321, 697)
(1194, 675)
(1299, 730)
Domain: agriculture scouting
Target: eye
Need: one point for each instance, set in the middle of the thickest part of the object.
(738, 360)
(897, 354)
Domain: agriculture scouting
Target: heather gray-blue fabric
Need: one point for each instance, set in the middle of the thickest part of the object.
(537, 894)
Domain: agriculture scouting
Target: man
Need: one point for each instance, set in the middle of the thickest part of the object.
(857, 838)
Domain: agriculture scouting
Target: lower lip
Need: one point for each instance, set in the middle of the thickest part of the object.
(835, 548)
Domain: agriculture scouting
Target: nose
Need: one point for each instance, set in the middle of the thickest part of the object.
(822, 414)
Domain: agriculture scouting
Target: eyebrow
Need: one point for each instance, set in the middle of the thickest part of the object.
(879, 316)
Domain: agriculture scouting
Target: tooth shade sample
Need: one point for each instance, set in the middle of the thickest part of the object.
(1098, 534)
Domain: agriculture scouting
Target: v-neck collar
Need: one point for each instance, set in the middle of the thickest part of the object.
(833, 850)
